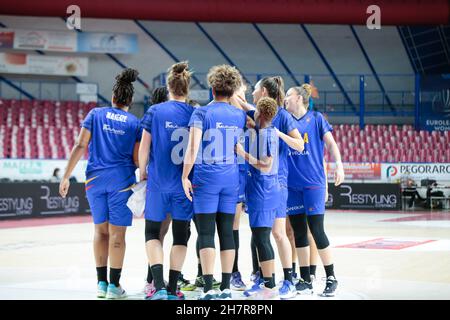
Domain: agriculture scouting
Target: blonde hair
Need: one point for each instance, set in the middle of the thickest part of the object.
(305, 91)
(224, 79)
(267, 107)
(179, 78)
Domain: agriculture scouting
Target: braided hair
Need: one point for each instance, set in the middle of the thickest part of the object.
(123, 89)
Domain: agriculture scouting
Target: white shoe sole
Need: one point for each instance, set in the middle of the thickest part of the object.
(101, 294)
(305, 292)
(115, 296)
(237, 289)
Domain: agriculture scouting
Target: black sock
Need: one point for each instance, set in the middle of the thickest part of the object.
(287, 274)
(329, 270)
(173, 279)
(114, 276)
(225, 284)
(312, 270)
(208, 279)
(158, 276)
(294, 265)
(236, 248)
(149, 274)
(269, 282)
(199, 270)
(102, 274)
(273, 276)
(304, 274)
(255, 263)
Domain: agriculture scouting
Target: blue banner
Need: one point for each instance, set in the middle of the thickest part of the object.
(94, 42)
(435, 103)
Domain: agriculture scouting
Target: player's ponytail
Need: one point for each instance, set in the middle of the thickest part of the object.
(305, 91)
(274, 87)
(179, 79)
(123, 89)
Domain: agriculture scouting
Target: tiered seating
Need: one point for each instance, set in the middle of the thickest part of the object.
(48, 129)
(39, 129)
(391, 143)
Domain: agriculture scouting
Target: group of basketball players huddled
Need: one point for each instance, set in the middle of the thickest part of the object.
(211, 164)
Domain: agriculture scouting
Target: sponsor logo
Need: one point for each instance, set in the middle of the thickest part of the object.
(295, 208)
(391, 171)
(367, 199)
(220, 125)
(171, 125)
(107, 128)
(68, 204)
(20, 206)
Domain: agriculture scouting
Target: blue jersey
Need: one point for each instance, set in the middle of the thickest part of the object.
(306, 168)
(114, 133)
(284, 122)
(222, 125)
(263, 187)
(167, 122)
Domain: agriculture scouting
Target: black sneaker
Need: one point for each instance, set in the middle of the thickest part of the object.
(304, 287)
(330, 287)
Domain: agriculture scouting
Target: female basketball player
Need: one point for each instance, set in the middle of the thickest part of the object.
(112, 135)
(164, 125)
(216, 128)
(274, 87)
(263, 189)
(306, 186)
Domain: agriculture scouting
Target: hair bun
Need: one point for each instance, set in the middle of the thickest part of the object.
(308, 88)
(180, 67)
(128, 75)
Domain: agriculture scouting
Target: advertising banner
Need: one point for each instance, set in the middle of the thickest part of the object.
(36, 169)
(39, 64)
(41, 199)
(364, 196)
(393, 172)
(6, 39)
(435, 102)
(62, 41)
(94, 42)
(356, 171)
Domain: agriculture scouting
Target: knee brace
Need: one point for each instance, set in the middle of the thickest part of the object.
(315, 223)
(152, 230)
(225, 231)
(180, 232)
(206, 227)
(300, 228)
(261, 237)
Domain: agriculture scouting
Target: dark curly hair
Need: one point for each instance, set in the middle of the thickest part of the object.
(123, 89)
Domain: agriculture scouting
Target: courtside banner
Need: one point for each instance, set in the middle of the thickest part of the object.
(41, 199)
(356, 171)
(37, 169)
(364, 196)
(394, 172)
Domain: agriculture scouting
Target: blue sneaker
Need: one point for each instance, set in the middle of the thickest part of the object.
(210, 295)
(102, 287)
(161, 294)
(225, 295)
(114, 292)
(236, 282)
(254, 277)
(287, 290)
(257, 286)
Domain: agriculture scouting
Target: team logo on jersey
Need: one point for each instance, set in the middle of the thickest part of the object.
(220, 125)
(116, 117)
(391, 171)
(171, 125)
